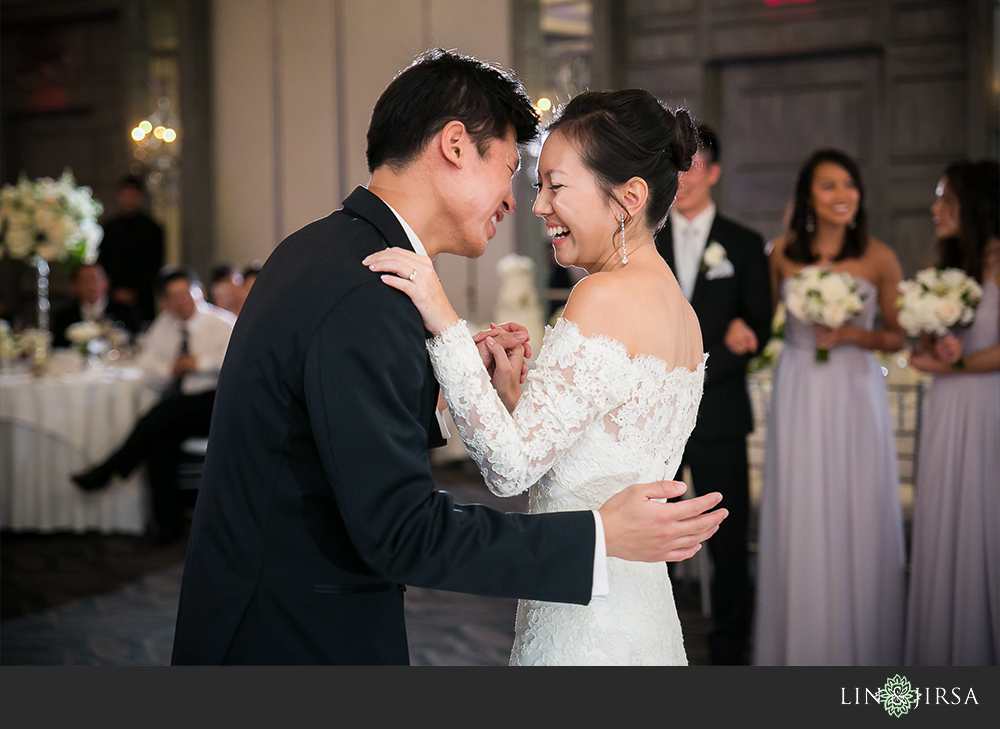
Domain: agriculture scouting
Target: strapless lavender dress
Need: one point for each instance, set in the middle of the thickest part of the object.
(953, 614)
(831, 566)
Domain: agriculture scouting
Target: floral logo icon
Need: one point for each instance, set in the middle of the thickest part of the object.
(897, 696)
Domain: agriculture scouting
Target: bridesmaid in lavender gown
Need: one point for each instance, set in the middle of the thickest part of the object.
(953, 614)
(831, 566)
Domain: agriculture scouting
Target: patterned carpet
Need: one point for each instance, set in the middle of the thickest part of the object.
(68, 599)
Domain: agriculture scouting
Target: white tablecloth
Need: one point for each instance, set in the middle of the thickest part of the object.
(53, 426)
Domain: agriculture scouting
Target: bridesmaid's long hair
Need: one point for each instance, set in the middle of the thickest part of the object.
(976, 186)
(799, 247)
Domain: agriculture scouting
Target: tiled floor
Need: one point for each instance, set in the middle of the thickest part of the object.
(99, 600)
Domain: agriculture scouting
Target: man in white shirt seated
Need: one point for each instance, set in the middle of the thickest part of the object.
(182, 353)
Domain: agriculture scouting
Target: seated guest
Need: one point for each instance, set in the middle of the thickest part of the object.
(183, 350)
(225, 289)
(249, 276)
(90, 287)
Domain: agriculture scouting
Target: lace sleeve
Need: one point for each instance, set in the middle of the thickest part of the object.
(571, 385)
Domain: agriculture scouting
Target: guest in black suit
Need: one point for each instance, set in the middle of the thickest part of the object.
(90, 286)
(318, 503)
(132, 250)
(722, 270)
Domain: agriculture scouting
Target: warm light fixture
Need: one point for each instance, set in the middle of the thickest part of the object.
(169, 135)
(544, 104)
(138, 134)
(145, 126)
(158, 132)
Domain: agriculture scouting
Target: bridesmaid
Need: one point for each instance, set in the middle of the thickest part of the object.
(953, 615)
(831, 567)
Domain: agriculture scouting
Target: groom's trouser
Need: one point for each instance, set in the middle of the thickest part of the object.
(720, 464)
(156, 440)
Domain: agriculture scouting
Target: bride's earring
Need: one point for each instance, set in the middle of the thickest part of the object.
(621, 217)
(810, 221)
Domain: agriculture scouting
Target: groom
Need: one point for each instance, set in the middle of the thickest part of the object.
(722, 270)
(318, 504)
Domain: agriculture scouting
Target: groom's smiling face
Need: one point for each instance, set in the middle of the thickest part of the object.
(482, 196)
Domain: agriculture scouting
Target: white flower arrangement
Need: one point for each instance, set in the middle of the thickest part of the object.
(714, 254)
(53, 219)
(937, 300)
(821, 296)
(83, 332)
(10, 347)
(769, 355)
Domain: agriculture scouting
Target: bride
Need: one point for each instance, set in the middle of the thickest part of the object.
(615, 390)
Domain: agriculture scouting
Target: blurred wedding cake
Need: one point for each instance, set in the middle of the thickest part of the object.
(518, 297)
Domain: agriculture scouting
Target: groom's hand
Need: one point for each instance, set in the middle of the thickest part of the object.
(639, 529)
(508, 335)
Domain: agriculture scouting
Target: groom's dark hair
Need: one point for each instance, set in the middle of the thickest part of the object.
(440, 87)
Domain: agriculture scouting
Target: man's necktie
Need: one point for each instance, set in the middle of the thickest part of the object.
(175, 384)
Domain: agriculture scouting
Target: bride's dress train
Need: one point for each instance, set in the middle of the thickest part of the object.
(590, 422)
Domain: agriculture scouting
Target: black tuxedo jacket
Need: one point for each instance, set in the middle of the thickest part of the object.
(317, 500)
(725, 406)
(130, 316)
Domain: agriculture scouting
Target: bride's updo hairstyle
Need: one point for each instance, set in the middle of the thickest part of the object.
(628, 133)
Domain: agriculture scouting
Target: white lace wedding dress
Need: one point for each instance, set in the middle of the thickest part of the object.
(591, 421)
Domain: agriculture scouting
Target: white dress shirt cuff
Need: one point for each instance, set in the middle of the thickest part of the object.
(600, 560)
(442, 424)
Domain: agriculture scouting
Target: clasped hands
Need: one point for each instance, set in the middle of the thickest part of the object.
(829, 337)
(940, 357)
(503, 348)
(637, 526)
(739, 338)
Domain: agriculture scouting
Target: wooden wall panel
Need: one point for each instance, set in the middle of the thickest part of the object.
(928, 117)
(780, 81)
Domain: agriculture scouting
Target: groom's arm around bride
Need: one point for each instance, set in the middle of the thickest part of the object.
(318, 503)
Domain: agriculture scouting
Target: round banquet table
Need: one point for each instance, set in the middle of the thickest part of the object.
(61, 423)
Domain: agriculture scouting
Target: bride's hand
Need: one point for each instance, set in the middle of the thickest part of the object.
(507, 335)
(414, 275)
(506, 377)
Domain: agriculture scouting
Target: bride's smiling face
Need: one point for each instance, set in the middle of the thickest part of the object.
(579, 217)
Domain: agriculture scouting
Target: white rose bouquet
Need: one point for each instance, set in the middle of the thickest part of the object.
(821, 296)
(937, 300)
(53, 219)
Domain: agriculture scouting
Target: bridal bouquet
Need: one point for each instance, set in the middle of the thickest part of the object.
(824, 297)
(936, 300)
(53, 219)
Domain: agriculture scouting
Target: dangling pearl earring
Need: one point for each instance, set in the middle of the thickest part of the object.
(621, 217)
(810, 221)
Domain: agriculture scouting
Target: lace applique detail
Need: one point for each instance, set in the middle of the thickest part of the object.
(591, 420)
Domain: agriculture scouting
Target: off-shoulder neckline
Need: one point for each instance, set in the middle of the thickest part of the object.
(623, 350)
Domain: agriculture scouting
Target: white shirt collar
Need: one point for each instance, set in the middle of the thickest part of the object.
(95, 311)
(418, 247)
(702, 222)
